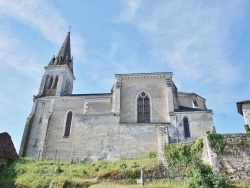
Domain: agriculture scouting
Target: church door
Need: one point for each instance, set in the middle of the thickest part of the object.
(143, 108)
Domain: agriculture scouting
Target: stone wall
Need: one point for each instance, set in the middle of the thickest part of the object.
(155, 86)
(235, 161)
(199, 123)
(102, 137)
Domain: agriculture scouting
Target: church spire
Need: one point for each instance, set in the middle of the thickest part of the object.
(64, 55)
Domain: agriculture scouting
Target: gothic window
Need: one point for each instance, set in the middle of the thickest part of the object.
(143, 108)
(56, 80)
(50, 83)
(68, 125)
(186, 127)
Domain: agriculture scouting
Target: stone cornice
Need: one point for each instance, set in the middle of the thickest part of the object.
(145, 75)
(64, 98)
(60, 67)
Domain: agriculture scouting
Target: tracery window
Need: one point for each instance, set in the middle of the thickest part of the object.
(186, 127)
(68, 124)
(143, 108)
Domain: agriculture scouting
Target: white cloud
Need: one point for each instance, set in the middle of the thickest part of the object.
(192, 38)
(37, 14)
(13, 55)
(131, 8)
(44, 18)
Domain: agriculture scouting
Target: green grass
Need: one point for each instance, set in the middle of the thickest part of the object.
(28, 173)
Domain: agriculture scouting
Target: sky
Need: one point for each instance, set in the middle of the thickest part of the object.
(205, 43)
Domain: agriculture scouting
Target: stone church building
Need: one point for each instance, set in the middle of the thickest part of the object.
(142, 112)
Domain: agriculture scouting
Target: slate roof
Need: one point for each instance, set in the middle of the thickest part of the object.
(239, 105)
(7, 148)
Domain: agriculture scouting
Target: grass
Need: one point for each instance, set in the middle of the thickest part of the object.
(28, 173)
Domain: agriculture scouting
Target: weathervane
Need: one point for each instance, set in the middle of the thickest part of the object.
(69, 28)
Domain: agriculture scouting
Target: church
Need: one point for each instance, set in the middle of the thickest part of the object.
(142, 113)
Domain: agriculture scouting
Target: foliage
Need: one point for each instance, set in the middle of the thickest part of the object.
(152, 155)
(30, 173)
(200, 175)
(185, 158)
(217, 142)
(183, 154)
(247, 130)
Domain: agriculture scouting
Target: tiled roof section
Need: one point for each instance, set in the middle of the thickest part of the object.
(188, 109)
(7, 148)
(239, 105)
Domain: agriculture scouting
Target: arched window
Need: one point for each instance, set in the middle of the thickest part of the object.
(143, 108)
(56, 80)
(50, 83)
(186, 127)
(68, 124)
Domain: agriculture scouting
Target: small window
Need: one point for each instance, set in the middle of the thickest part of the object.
(195, 104)
(35, 142)
(68, 125)
(186, 127)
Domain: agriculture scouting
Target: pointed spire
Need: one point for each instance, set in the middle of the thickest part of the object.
(64, 55)
(65, 49)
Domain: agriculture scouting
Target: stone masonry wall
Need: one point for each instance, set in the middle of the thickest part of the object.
(102, 137)
(199, 123)
(235, 161)
(156, 87)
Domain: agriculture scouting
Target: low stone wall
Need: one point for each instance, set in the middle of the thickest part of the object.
(235, 161)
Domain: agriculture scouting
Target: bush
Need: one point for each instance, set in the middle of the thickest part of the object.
(200, 175)
(217, 142)
(247, 130)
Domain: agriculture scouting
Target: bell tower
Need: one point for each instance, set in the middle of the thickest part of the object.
(58, 77)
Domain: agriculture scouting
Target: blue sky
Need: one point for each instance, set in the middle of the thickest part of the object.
(206, 44)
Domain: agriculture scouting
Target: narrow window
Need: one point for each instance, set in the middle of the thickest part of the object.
(51, 81)
(35, 142)
(68, 125)
(143, 108)
(56, 80)
(66, 86)
(186, 127)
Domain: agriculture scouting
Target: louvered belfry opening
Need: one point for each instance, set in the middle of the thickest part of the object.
(143, 108)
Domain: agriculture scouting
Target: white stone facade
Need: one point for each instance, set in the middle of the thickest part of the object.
(244, 109)
(142, 113)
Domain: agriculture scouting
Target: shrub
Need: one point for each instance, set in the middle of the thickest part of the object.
(217, 142)
(201, 175)
(247, 130)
